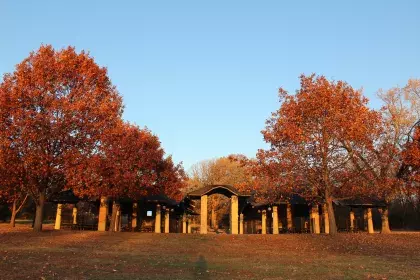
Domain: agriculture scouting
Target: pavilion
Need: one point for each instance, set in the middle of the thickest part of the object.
(160, 214)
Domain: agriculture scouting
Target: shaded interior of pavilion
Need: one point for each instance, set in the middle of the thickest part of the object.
(160, 214)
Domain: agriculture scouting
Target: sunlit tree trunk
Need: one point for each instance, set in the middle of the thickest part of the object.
(385, 221)
(331, 216)
(39, 214)
(328, 185)
(330, 209)
(13, 217)
(213, 218)
(114, 225)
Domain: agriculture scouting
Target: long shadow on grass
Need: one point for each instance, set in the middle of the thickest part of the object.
(200, 269)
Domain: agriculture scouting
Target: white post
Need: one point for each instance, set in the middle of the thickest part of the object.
(203, 222)
(158, 221)
(263, 222)
(74, 215)
(103, 214)
(241, 224)
(58, 217)
(369, 220)
(184, 223)
(275, 220)
(167, 220)
(234, 214)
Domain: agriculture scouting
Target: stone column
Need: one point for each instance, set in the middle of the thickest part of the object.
(58, 216)
(234, 205)
(74, 215)
(134, 216)
(119, 218)
(184, 223)
(189, 226)
(167, 220)
(369, 220)
(158, 220)
(275, 220)
(365, 218)
(315, 219)
(203, 221)
(352, 220)
(103, 214)
(289, 217)
(241, 224)
(263, 222)
(326, 219)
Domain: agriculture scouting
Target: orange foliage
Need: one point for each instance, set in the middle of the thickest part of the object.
(309, 135)
(54, 109)
(411, 158)
(130, 163)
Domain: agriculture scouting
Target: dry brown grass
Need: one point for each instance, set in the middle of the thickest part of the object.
(94, 255)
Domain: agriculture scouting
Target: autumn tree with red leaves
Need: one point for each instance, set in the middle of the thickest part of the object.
(171, 178)
(306, 135)
(130, 164)
(382, 164)
(411, 161)
(55, 107)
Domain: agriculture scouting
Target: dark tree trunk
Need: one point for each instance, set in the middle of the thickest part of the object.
(16, 210)
(13, 217)
(385, 221)
(39, 214)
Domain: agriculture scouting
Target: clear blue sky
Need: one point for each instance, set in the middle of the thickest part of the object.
(203, 75)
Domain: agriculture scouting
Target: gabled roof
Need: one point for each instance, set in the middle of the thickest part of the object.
(284, 199)
(227, 190)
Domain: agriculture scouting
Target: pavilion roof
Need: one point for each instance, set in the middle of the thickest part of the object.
(360, 202)
(64, 197)
(161, 199)
(227, 190)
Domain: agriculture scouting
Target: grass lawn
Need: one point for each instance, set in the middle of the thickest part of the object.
(94, 255)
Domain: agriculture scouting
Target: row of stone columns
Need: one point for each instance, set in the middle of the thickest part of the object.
(57, 224)
(103, 213)
(314, 219)
(367, 218)
(186, 223)
(158, 220)
(234, 214)
(276, 221)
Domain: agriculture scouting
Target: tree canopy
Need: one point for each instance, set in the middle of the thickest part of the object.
(61, 128)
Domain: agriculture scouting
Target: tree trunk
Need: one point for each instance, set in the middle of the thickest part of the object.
(39, 214)
(385, 221)
(13, 217)
(331, 215)
(16, 211)
(113, 227)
